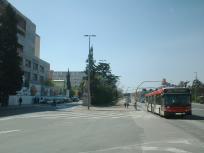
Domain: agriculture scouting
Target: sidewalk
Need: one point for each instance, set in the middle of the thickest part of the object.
(15, 107)
(24, 109)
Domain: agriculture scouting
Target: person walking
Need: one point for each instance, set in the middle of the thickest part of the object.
(125, 104)
(54, 103)
(20, 101)
(128, 101)
(135, 105)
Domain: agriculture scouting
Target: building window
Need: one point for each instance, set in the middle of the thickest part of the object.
(35, 66)
(21, 22)
(21, 32)
(20, 50)
(35, 77)
(27, 79)
(28, 63)
(41, 78)
(42, 69)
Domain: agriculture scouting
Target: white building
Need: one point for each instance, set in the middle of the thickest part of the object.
(76, 77)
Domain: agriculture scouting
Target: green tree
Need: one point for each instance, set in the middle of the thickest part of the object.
(49, 83)
(103, 83)
(11, 73)
(183, 84)
(197, 90)
(69, 87)
(197, 84)
(92, 69)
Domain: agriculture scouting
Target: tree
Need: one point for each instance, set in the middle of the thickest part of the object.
(68, 81)
(11, 73)
(49, 83)
(197, 84)
(103, 83)
(91, 68)
(197, 90)
(105, 91)
(92, 63)
(183, 84)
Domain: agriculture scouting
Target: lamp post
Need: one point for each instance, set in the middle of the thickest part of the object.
(89, 82)
(140, 85)
(196, 78)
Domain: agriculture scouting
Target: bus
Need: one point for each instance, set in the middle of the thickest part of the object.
(169, 101)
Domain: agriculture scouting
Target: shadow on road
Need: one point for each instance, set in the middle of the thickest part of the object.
(189, 117)
(10, 111)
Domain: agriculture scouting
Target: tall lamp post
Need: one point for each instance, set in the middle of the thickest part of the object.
(89, 82)
(136, 94)
(196, 77)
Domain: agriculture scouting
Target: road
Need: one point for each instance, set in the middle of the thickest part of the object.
(101, 130)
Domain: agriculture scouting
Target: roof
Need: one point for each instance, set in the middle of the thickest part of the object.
(160, 91)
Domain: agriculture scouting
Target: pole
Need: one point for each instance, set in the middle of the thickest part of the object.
(143, 83)
(89, 82)
(196, 77)
(89, 73)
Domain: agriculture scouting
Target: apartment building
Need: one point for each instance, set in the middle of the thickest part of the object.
(76, 77)
(35, 69)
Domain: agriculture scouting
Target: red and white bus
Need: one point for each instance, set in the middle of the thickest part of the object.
(169, 101)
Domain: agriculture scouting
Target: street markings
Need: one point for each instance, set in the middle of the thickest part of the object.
(10, 131)
(84, 114)
(144, 147)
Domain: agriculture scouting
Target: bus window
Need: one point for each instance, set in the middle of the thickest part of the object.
(177, 100)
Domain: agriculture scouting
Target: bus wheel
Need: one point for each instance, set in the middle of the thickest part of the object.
(160, 112)
(166, 115)
(148, 108)
(189, 113)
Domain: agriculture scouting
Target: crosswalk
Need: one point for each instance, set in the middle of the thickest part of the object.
(83, 114)
(95, 115)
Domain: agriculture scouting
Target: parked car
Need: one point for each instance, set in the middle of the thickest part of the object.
(42, 100)
(75, 99)
(67, 99)
(49, 99)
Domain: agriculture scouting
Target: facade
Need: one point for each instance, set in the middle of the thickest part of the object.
(36, 70)
(76, 77)
(60, 87)
(37, 46)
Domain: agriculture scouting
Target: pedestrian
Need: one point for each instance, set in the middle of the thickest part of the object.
(37, 100)
(128, 101)
(135, 105)
(125, 104)
(20, 101)
(54, 103)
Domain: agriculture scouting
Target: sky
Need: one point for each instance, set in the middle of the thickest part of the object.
(143, 40)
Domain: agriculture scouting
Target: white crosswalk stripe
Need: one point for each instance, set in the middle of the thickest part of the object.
(69, 115)
(84, 114)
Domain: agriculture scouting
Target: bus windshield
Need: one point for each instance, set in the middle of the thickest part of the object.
(177, 99)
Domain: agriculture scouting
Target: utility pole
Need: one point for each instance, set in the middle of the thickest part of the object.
(136, 93)
(196, 78)
(89, 77)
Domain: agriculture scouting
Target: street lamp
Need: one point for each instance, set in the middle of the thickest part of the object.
(141, 84)
(89, 82)
(196, 78)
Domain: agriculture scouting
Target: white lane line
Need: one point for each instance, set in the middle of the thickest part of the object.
(5, 119)
(197, 109)
(10, 131)
(176, 150)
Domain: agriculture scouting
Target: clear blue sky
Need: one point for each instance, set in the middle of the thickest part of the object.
(141, 39)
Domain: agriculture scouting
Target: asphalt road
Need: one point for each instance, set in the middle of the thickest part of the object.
(74, 129)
